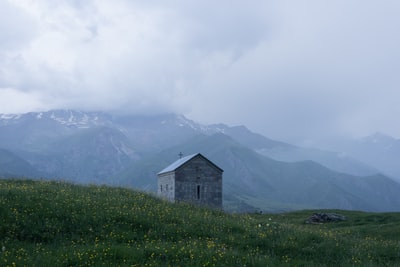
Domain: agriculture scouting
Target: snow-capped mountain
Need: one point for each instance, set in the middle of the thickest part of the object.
(91, 146)
(35, 130)
(43, 131)
(68, 118)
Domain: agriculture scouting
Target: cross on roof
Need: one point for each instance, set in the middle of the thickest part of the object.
(180, 155)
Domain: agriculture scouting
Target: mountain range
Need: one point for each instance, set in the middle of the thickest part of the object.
(259, 173)
(378, 150)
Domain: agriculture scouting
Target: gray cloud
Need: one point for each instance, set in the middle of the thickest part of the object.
(287, 69)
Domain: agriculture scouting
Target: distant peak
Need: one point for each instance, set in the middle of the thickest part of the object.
(379, 138)
(10, 116)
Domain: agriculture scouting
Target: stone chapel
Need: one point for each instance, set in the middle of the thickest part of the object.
(193, 179)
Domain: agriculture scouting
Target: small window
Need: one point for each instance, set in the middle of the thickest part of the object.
(161, 188)
(198, 192)
(166, 187)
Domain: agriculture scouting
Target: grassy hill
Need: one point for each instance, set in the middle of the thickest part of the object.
(46, 223)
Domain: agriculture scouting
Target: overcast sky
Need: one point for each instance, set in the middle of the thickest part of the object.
(290, 70)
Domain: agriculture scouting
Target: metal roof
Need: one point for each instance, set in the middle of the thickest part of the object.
(178, 163)
(182, 161)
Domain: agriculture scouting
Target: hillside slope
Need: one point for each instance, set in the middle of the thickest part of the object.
(290, 153)
(378, 150)
(60, 224)
(12, 165)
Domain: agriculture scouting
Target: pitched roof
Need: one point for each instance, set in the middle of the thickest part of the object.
(182, 161)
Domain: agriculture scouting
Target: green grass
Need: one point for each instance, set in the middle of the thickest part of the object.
(46, 223)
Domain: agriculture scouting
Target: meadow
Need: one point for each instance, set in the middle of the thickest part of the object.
(53, 223)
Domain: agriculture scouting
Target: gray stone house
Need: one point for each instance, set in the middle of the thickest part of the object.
(193, 179)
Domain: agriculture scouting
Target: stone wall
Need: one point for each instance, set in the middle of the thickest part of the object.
(166, 186)
(200, 182)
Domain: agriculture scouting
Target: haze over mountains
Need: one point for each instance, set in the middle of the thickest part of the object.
(260, 173)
